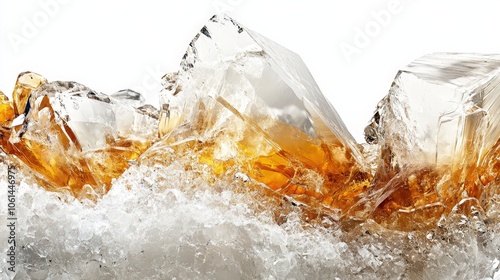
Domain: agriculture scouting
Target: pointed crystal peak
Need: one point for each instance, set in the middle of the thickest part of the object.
(241, 101)
(278, 77)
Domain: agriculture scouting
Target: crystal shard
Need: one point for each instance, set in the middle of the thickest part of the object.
(437, 130)
(72, 137)
(242, 103)
(440, 104)
(252, 172)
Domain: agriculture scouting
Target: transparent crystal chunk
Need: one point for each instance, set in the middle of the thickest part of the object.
(440, 108)
(74, 138)
(241, 101)
(257, 70)
(439, 140)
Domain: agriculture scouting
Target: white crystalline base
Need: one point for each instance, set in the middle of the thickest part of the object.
(140, 233)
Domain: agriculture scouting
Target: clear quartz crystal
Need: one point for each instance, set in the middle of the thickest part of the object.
(439, 139)
(439, 108)
(251, 68)
(245, 111)
(129, 97)
(252, 167)
(242, 100)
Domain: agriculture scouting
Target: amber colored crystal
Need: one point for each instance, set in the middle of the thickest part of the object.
(320, 175)
(305, 170)
(438, 134)
(6, 110)
(57, 160)
(241, 106)
(46, 141)
(417, 199)
(243, 110)
(26, 83)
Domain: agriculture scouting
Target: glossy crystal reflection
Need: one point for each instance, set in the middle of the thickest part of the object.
(74, 138)
(438, 134)
(241, 102)
(245, 113)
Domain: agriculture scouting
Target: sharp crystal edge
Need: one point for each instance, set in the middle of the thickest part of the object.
(438, 135)
(242, 100)
(442, 105)
(244, 109)
(73, 138)
(247, 172)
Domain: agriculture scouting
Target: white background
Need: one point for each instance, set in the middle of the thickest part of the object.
(112, 45)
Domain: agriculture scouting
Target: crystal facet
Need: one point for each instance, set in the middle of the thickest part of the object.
(247, 172)
(241, 100)
(437, 130)
(442, 105)
(73, 137)
(244, 109)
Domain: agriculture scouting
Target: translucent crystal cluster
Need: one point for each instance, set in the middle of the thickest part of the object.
(438, 134)
(215, 231)
(247, 172)
(444, 106)
(72, 137)
(242, 103)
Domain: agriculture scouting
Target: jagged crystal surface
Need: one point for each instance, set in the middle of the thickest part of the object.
(74, 138)
(444, 106)
(438, 135)
(255, 175)
(242, 103)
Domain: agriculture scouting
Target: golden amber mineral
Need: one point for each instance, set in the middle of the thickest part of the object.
(242, 103)
(242, 106)
(72, 137)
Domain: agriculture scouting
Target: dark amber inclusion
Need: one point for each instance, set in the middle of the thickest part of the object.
(241, 105)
